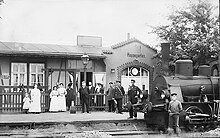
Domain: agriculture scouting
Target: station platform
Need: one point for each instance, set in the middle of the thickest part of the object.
(64, 117)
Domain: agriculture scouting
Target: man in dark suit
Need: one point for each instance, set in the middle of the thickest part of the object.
(92, 97)
(133, 95)
(71, 96)
(110, 94)
(84, 97)
(118, 95)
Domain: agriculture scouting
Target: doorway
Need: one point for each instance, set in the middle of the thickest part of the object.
(88, 77)
(139, 74)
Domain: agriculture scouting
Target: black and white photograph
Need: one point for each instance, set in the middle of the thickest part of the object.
(109, 68)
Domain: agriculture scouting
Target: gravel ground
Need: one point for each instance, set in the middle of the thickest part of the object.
(211, 133)
(80, 130)
(99, 130)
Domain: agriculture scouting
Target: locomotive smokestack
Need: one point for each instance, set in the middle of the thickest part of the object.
(165, 50)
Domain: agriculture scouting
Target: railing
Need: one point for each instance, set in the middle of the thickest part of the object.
(11, 100)
(98, 102)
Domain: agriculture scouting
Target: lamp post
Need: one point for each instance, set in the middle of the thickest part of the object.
(85, 61)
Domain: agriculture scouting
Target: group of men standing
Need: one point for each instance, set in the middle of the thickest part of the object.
(115, 94)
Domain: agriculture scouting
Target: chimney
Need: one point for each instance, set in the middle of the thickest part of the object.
(128, 36)
(165, 50)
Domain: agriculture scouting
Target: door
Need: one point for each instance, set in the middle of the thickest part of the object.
(139, 74)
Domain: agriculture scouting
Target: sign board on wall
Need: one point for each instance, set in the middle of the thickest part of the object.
(89, 41)
(136, 55)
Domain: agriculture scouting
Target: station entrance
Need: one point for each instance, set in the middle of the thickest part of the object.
(139, 74)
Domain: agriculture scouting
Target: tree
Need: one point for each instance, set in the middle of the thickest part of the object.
(193, 33)
(1, 1)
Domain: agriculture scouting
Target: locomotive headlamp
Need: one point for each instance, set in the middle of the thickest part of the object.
(202, 88)
(162, 95)
(141, 95)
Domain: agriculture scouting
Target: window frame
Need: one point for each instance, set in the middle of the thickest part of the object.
(19, 73)
(36, 73)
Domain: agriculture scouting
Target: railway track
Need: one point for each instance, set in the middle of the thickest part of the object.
(89, 134)
(88, 130)
(133, 129)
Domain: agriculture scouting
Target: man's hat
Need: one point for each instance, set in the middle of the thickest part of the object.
(133, 80)
(110, 82)
(118, 81)
(173, 93)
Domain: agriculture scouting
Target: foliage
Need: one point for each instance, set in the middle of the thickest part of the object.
(193, 33)
(1, 1)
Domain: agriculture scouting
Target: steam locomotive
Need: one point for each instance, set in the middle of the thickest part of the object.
(199, 96)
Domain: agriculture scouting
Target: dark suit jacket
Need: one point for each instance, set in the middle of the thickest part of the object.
(70, 94)
(92, 90)
(110, 93)
(119, 92)
(132, 92)
(84, 93)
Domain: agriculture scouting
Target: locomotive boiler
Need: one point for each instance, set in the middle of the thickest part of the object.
(199, 96)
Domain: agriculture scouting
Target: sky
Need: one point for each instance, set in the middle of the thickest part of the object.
(60, 21)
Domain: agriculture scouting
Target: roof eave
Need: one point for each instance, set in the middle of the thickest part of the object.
(61, 55)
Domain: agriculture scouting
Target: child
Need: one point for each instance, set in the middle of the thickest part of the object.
(174, 109)
(27, 103)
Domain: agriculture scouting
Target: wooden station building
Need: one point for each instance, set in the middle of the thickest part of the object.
(23, 64)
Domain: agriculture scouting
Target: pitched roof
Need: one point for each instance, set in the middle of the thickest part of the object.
(14, 48)
(128, 42)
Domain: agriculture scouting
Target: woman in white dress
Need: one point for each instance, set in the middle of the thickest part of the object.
(35, 106)
(54, 98)
(61, 97)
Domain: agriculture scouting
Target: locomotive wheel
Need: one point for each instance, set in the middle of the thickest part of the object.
(193, 109)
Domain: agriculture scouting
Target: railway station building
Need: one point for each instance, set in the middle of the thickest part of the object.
(128, 60)
(23, 64)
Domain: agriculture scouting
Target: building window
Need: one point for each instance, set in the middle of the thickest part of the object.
(19, 74)
(139, 74)
(36, 74)
(135, 71)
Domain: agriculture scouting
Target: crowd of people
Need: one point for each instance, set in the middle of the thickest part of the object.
(58, 102)
(62, 99)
